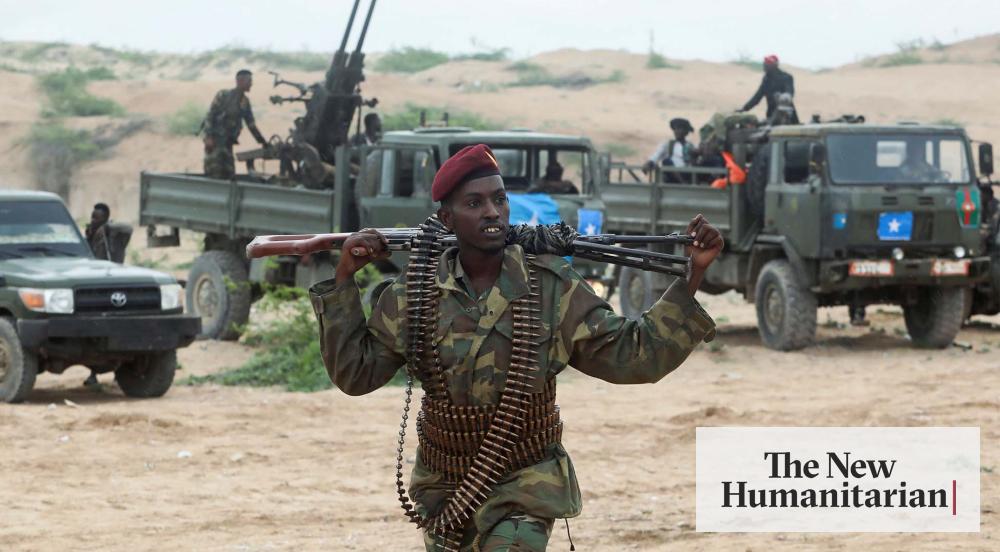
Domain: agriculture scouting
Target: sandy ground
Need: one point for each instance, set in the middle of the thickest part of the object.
(270, 470)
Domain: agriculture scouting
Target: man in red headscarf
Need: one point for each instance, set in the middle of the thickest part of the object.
(775, 82)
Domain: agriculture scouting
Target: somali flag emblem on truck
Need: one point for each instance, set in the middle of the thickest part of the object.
(589, 222)
(895, 226)
(533, 209)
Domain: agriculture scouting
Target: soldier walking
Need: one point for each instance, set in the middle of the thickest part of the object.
(486, 328)
(222, 126)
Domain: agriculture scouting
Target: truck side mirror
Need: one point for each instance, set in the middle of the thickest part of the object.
(817, 158)
(986, 159)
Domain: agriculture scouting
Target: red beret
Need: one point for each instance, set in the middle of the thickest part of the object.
(771, 60)
(469, 163)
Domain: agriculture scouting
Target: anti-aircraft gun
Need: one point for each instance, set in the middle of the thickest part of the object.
(315, 153)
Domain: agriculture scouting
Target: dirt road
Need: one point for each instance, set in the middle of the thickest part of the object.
(216, 468)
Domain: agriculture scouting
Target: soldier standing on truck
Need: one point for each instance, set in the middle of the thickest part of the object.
(222, 126)
(775, 82)
(676, 152)
(493, 301)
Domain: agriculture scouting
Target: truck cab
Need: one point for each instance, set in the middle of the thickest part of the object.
(59, 306)
(846, 214)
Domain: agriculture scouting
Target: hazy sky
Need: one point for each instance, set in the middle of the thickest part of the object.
(813, 34)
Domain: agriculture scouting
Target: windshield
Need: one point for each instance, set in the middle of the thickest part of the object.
(898, 159)
(38, 229)
(542, 169)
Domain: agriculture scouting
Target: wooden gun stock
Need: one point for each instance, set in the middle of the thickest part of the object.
(298, 244)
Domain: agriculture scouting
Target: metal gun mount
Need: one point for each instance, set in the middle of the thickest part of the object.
(315, 153)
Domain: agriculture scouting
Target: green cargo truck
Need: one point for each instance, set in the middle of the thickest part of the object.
(388, 186)
(59, 306)
(831, 214)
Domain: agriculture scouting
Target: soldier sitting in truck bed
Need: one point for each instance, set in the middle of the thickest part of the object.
(552, 182)
(676, 152)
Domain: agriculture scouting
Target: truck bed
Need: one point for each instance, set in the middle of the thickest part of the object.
(233, 207)
(640, 208)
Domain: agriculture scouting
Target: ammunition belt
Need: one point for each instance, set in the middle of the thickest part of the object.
(451, 436)
(473, 447)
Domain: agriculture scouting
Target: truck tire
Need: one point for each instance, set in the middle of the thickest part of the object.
(635, 292)
(18, 367)
(218, 290)
(786, 309)
(149, 375)
(935, 319)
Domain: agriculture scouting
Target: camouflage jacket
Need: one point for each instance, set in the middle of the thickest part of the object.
(229, 110)
(579, 329)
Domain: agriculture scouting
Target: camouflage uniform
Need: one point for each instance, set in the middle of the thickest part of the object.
(224, 122)
(474, 339)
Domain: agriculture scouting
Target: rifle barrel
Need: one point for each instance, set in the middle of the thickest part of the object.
(364, 28)
(350, 23)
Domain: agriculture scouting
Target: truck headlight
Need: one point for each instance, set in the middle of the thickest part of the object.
(170, 296)
(56, 301)
(959, 251)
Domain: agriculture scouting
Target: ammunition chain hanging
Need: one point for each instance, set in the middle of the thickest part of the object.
(495, 457)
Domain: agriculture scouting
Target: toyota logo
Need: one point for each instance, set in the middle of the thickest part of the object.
(118, 299)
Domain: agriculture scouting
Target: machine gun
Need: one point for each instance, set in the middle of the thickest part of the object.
(316, 149)
(557, 239)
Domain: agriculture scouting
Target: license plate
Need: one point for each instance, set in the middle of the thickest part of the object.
(944, 267)
(872, 268)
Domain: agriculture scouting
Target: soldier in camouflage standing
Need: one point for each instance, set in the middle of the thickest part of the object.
(230, 109)
(484, 291)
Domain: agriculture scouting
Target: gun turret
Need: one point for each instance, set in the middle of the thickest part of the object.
(331, 105)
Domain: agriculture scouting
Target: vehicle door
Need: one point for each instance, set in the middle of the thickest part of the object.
(394, 185)
(793, 199)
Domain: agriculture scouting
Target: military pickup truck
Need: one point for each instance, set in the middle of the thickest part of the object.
(550, 178)
(831, 214)
(59, 306)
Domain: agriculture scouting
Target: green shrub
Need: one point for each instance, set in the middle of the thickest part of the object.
(409, 60)
(292, 357)
(408, 118)
(620, 150)
(947, 121)
(67, 94)
(657, 61)
(38, 51)
(54, 151)
(901, 58)
(748, 62)
(99, 74)
(500, 54)
(186, 121)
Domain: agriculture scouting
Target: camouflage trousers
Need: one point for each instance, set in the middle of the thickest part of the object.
(220, 163)
(516, 533)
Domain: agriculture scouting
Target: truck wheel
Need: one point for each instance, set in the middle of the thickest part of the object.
(935, 319)
(635, 292)
(149, 375)
(219, 292)
(786, 309)
(18, 367)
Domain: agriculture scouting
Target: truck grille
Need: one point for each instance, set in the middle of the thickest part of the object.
(864, 228)
(116, 299)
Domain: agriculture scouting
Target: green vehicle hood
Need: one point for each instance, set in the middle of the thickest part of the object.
(66, 272)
